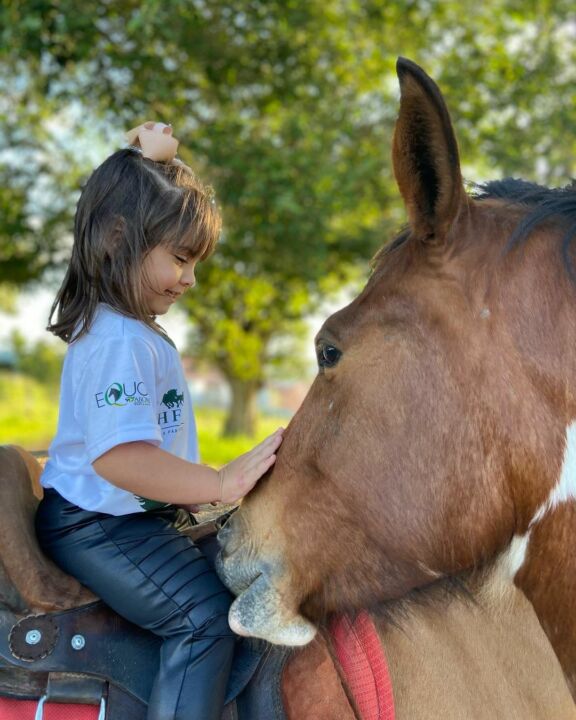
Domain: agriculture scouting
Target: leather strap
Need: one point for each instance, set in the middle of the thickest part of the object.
(75, 688)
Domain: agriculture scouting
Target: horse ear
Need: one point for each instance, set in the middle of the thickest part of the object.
(425, 155)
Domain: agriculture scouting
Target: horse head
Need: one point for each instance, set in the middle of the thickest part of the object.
(436, 429)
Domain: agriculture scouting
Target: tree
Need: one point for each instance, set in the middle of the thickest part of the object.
(287, 107)
(270, 121)
(40, 360)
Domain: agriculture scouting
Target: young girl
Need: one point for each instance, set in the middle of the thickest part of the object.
(125, 453)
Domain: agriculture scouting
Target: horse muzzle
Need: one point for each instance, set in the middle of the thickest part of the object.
(261, 608)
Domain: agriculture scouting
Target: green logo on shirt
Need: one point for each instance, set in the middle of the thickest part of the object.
(170, 420)
(148, 504)
(119, 394)
(173, 399)
(113, 394)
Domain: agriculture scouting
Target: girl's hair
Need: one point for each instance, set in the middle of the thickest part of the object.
(129, 205)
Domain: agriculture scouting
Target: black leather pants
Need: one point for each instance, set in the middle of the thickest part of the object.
(157, 578)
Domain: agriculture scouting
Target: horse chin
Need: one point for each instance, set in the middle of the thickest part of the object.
(260, 612)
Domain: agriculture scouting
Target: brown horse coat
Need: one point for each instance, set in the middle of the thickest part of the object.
(439, 437)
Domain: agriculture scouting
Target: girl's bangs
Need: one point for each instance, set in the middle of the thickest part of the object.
(197, 231)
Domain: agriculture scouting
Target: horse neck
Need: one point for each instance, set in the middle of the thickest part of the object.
(437, 653)
(540, 559)
(547, 575)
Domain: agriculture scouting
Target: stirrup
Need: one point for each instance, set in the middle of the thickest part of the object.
(40, 709)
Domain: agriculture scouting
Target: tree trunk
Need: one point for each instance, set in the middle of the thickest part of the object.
(241, 419)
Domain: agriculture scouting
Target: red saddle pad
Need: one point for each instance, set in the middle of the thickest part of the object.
(11, 709)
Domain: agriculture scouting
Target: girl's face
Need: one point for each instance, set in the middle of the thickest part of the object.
(167, 273)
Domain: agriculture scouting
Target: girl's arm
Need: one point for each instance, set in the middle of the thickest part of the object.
(150, 472)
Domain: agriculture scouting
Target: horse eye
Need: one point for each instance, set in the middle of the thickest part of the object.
(328, 355)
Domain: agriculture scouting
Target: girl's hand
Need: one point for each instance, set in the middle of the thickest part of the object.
(238, 477)
(191, 508)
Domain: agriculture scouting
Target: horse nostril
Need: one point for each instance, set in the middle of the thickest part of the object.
(230, 533)
(224, 534)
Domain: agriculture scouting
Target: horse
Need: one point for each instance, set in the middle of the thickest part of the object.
(429, 475)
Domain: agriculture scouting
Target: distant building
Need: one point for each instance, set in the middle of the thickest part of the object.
(209, 389)
(282, 397)
(7, 360)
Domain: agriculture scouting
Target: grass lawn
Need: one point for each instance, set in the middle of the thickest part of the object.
(29, 413)
(215, 450)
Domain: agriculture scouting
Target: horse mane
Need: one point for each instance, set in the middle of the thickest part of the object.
(543, 203)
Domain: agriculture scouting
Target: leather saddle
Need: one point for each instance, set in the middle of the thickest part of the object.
(60, 643)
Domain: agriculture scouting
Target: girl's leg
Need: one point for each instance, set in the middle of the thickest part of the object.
(149, 573)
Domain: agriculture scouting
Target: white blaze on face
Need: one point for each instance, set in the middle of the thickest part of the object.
(565, 490)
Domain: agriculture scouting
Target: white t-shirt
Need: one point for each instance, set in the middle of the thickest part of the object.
(121, 382)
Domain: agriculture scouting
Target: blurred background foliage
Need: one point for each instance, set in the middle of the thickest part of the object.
(287, 108)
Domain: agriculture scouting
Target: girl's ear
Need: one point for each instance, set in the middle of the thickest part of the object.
(425, 155)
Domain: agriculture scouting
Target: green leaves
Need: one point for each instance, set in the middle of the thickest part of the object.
(288, 109)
